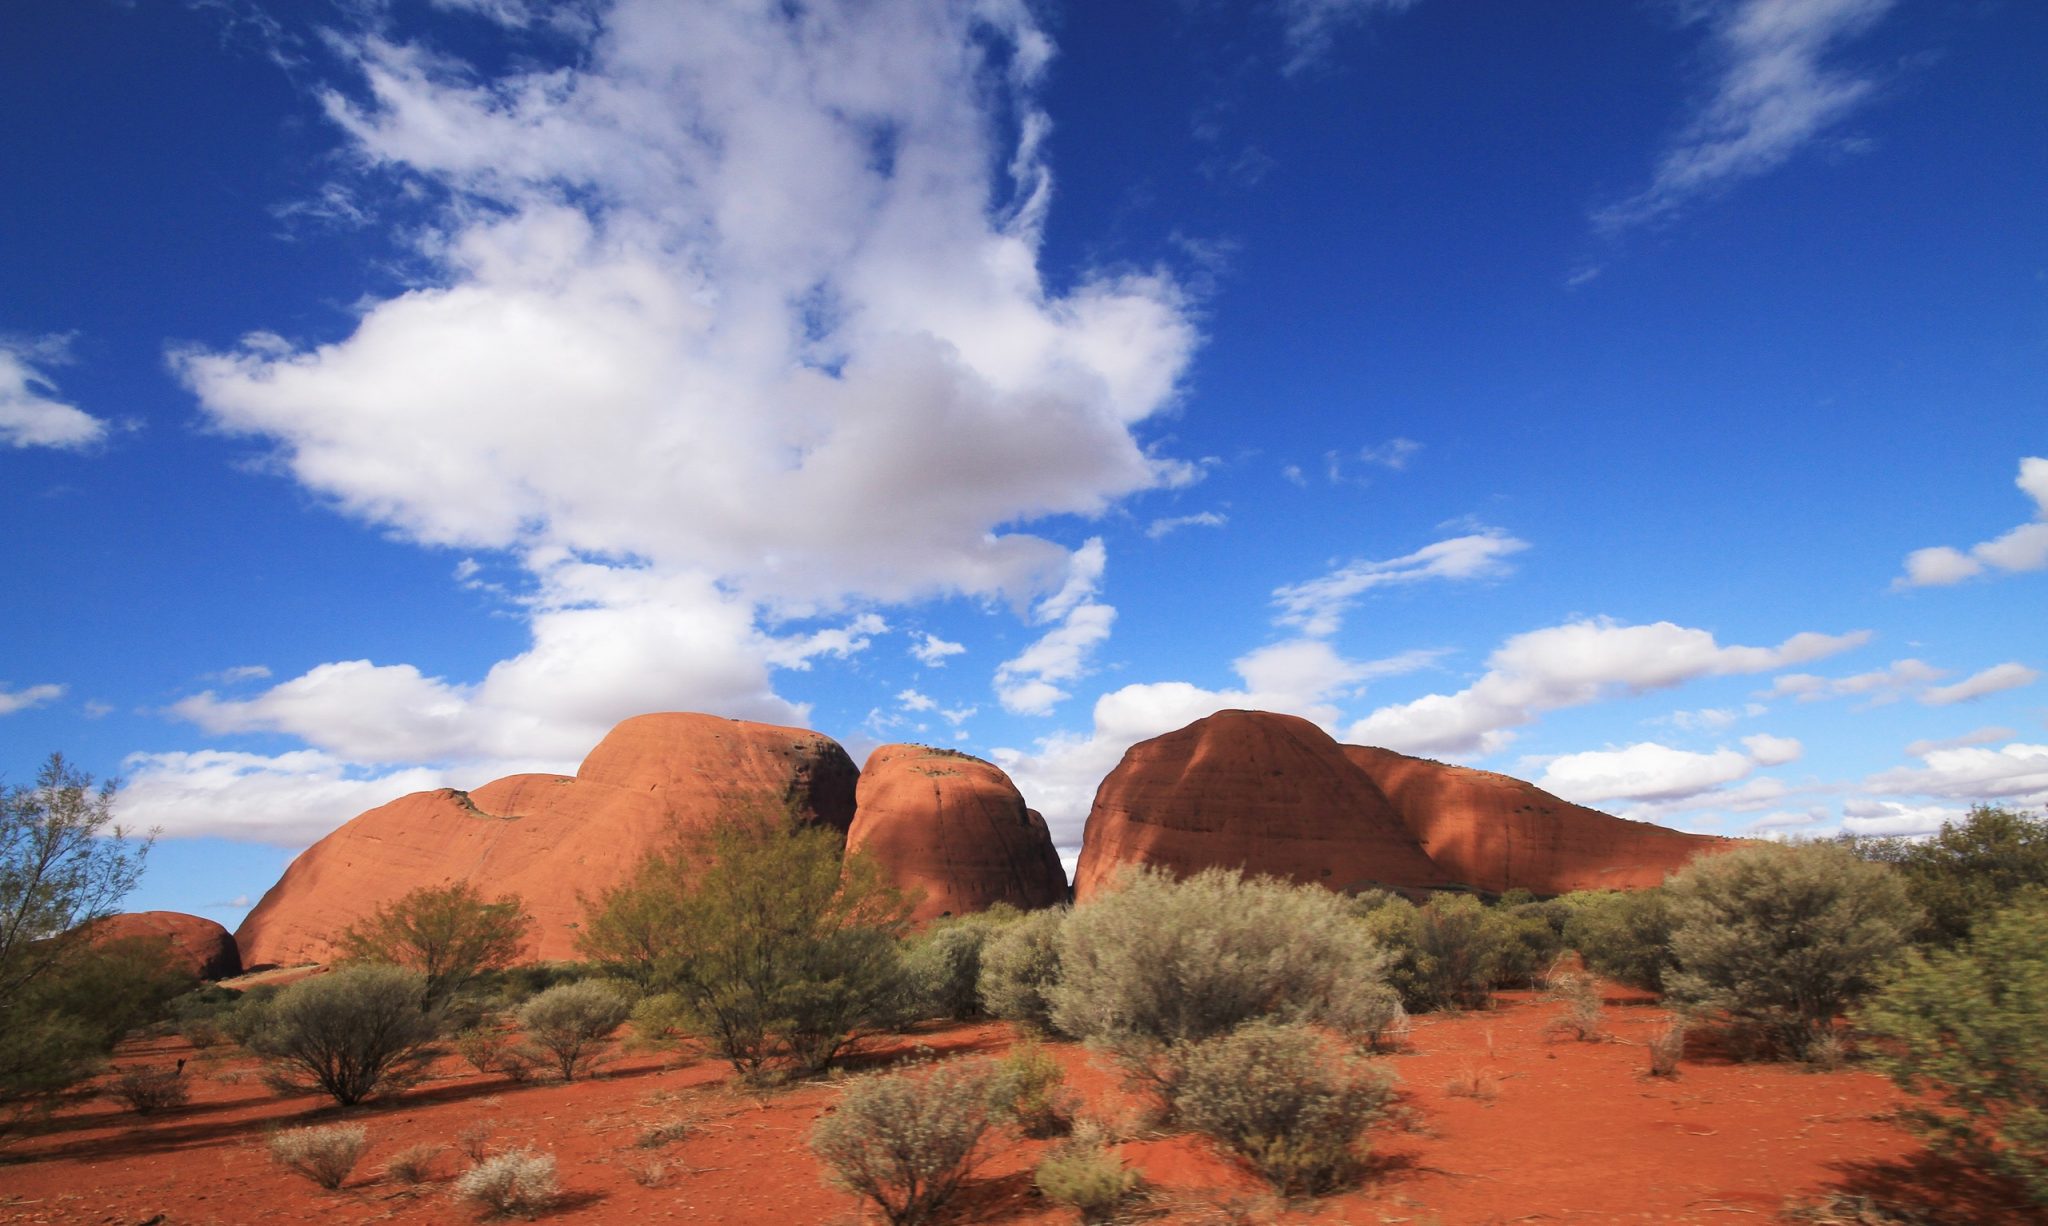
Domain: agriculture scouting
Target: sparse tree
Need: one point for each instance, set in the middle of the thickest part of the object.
(1968, 869)
(569, 1023)
(447, 933)
(351, 1033)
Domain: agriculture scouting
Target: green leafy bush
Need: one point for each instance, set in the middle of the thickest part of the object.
(351, 1033)
(1084, 1175)
(448, 934)
(1019, 966)
(1968, 870)
(1781, 939)
(1968, 1029)
(1622, 934)
(323, 1155)
(943, 965)
(1287, 1102)
(570, 1023)
(906, 1140)
(1446, 954)
(1025, 1088)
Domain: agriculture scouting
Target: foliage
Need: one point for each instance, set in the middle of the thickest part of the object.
(1019, 966)
(1445, 954)
(571, 1022)
(1284, 1100)
(906, 1140)
(323, 1155)
(413, 1164)
(1781, 939)
(115, 987)
(147, 1091)
(1967, 870)
(448, 934)
(1083, 1175)
(519, 1181)
(1583, 1013)
(1025, 1089)
(1622, 934)
(1965, 1028)
(351, 1033)
(1668, 1048)
(781, 953)
(1531, 936)
(943, 965)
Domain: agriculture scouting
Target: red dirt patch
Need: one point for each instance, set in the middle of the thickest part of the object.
(1561, 1131)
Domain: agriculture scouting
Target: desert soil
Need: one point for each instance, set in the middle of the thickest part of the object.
(1503, 1122)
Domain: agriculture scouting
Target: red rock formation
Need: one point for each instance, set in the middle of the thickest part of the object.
(551, 839)
(1495, 833)
(198, 944)
(1270, 794)
(954, 829)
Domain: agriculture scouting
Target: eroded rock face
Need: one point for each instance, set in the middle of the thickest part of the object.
(1267, 793)
(200, 945)
(1495, 833)
(551, 839)
(954, 829)
(1274, 794)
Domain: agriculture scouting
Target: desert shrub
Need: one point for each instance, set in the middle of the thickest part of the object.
(783, 953)
(571, 1023)
(1082, 1174)
(1964, 1028)
(446, 933)
(323, 1155)
(661, 1018)
(475, 1140)
(1968, 870)
(1159, 963)
(519, 1181)
(1622, 934)
(1445, 954)
(906, 1140)
(1019, 966)
(1283, 1099)
(1529, 937)
(1779, 940)
(63, 1023)
(1668, 1048)
(149, 1090)
(486, 1051)
(351, 1033)
(1582, 1014)
(943, 965)
(513, 986)
(414, 1164)
(1026, 1088)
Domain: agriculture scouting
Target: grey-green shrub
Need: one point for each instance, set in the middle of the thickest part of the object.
(1082, 1174)
(1622, 934)
(906, 1140)
(1025, 1088)
(1447, 953)
(571, 1022)
(1967, 1029)
(1019, 966)
(1781, 939)
(519, 1181)
(1285, 1100)
(351, 1033)
(323, 1155)
(943, 966)
(149, 1090)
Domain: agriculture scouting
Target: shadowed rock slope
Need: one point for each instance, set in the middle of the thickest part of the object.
(197, 944)
(1274, 794)
(955, 830)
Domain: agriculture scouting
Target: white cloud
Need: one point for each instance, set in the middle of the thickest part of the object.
(1713, 719)
(1996, 679)
(26, 699)
(1311, 26)
(914, 701)
(2023, 548)
(1394, 453)
(1773, 97)
(1980, 736)
(2016, 772)
(1891, 817)
(1876, 688)
(1572, 665)
(30, 413)
(1317, 606)
(1647, 771)
(1201, 519)
(289, 800)
(932, 651)
(1770, 750)
(1027, 683)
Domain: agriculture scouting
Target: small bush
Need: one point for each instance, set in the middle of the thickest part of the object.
(1668, 1048)
(149, 1090)
(323, 1155)
(571, 1022)
(661, 1018)
(520, 1182)
(475, 1140)
(1964, 1029)
(649, 1174)
(1473, 1083)
(1583, 1014)
(352, 1033)
(1446, 954)
(943, 966)
(906, 1140)
(666, 1131)
(1286, 1101)
(1019, 966)
(1025, 1089)
(484, 1050)
(1083, 1175)
(1624, 935)
(413, 1164)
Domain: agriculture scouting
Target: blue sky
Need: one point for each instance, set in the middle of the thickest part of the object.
(1646, 399)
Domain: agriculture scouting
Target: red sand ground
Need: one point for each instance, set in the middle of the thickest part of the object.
(1564, 1131)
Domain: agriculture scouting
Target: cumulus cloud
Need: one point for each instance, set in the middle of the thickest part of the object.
(1650, 771)
(1994, 680)
(1028, 683)
(288, 800)
(2016, 772)
(1572, 665)
(28, 698)
(1317, 606)
(1891, 817)
(1774, 95)
(1876, 688)
(933, 651)
(2023, 548)
(31, 415)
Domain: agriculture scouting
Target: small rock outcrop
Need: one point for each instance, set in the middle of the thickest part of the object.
(955, 830)
(553, 840)
(196, 943)
(1271, 794)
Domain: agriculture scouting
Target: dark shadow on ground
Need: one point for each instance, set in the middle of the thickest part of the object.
(1934, 1188)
